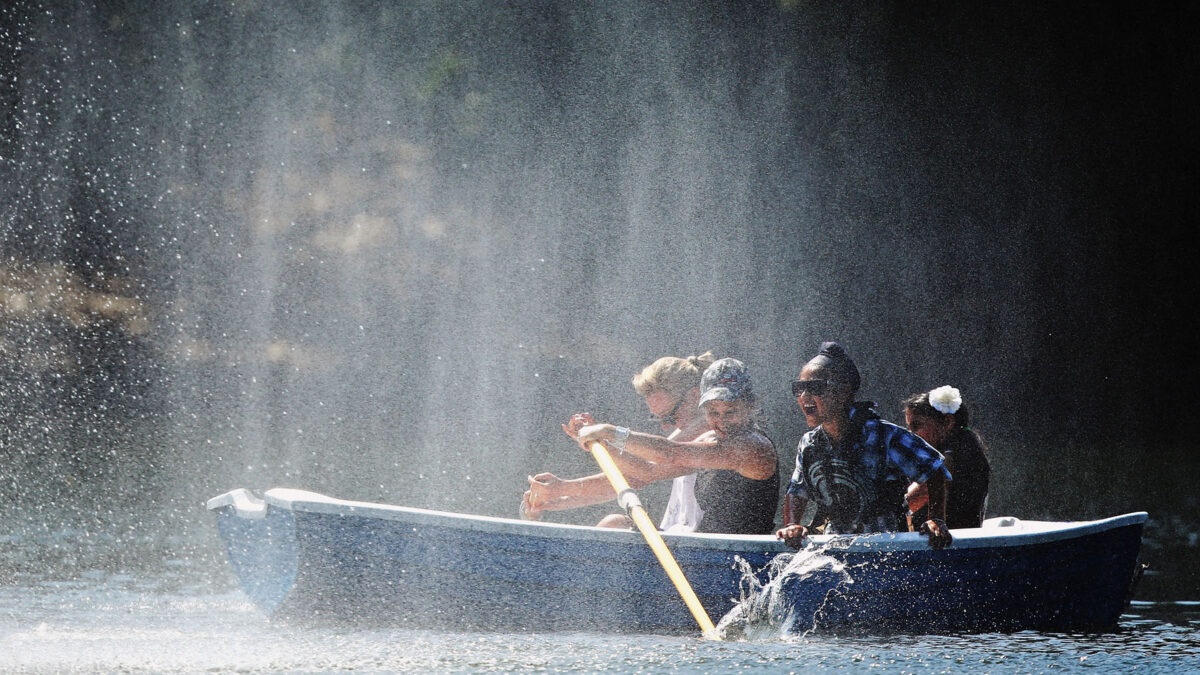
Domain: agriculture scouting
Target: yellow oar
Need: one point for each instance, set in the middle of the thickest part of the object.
(629, 501)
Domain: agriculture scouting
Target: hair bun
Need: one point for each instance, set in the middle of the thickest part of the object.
(834, 357)
(833, 350)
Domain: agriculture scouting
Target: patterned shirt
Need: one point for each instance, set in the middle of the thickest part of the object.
(859, 485)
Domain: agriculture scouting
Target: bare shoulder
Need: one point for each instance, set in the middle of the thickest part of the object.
(753, 440)
(758, 459)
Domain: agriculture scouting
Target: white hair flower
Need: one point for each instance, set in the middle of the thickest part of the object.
(945, 399)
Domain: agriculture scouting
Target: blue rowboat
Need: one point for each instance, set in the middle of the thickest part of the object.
(304, 557)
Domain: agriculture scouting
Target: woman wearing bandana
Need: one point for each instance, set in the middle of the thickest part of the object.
(853, 468)
(737, 469)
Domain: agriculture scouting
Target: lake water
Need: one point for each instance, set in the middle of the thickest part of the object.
(79, 602)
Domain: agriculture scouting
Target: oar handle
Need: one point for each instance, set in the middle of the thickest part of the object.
(633, 506)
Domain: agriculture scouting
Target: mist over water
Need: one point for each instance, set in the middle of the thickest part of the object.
(383, 251)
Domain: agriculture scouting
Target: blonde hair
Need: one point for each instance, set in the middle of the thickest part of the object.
(672, 374)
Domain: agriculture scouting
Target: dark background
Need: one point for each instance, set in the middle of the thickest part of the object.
(381, 251)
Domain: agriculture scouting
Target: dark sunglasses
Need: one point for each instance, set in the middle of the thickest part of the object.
(668, 418)
(814, 387)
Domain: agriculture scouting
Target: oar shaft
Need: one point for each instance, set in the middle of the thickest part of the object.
(640, 518)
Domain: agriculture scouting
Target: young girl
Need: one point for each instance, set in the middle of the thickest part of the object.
(940, 418)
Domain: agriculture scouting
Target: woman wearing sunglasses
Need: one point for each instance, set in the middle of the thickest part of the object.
(737, 469)
(670, 388)
(852, 468)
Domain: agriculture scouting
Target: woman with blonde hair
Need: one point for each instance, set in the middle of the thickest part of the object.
(670, 387)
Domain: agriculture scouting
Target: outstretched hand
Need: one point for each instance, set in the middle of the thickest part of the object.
(527, 509)
(938, 533)
(594, 432)
(577, 422)
(542, 489)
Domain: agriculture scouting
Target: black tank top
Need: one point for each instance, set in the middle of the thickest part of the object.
(968, 463)
(734, 504)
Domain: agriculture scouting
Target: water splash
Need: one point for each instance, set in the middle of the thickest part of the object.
(797, 587)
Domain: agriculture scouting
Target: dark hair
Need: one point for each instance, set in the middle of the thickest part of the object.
(919, 404)
(834, 360)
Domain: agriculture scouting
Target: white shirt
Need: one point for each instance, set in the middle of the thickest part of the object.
(683, 512)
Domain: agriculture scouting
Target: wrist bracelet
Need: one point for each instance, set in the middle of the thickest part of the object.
(620, 435)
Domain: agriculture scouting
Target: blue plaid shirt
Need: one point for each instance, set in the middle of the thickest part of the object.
(859, 486)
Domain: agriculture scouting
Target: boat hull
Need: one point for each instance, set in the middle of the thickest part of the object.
(1078, 584)
(305, 557)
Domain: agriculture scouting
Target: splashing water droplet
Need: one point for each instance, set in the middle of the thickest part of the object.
(797, 587)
